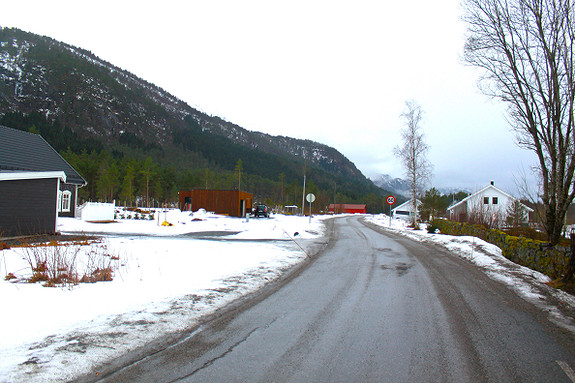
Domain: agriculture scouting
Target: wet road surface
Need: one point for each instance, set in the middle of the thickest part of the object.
(372, 307)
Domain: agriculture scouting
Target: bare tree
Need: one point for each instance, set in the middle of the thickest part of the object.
(413, 153)
(525, 48)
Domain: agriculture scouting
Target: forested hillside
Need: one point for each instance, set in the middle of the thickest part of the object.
(134, 142)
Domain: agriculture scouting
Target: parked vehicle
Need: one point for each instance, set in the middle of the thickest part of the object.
(261, 211)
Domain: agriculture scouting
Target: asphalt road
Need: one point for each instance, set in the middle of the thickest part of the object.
(372, 307)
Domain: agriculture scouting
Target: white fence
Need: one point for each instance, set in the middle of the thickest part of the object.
(96, 211)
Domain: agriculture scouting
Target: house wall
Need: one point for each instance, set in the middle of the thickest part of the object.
(488, 206)
(73, 207)
(227, 202)
(476, 204)
(28, 206)
(459, 213)
(405, 210)
(347, 208)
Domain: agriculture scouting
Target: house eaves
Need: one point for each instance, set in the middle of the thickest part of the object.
(18, 175)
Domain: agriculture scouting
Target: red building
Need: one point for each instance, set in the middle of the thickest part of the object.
(347, 208)
(227, 202)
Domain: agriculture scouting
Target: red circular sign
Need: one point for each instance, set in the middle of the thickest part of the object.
(390, 200)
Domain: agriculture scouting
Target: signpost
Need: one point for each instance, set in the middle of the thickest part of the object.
(310, 198)
(390, 201)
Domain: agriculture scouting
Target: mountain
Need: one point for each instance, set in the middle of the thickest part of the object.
(79, 102)
(397, 186)
(402, 188)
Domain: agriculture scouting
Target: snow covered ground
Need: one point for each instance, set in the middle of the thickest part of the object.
(168, 277)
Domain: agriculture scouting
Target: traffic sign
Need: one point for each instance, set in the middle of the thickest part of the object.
(310, 197)
(390, 200)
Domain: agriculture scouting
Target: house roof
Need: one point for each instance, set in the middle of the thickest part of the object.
(490, 186)
(29, 152)
(409, 203)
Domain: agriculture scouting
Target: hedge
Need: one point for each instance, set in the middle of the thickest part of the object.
(536, 255)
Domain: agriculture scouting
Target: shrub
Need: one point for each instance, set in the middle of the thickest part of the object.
(52, 263)
(535, 254)
(432, 229)
(9, 277)
(58, 264)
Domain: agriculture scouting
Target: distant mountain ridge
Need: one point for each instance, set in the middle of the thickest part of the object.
(101, 102)
(395, 185)
(402, 187)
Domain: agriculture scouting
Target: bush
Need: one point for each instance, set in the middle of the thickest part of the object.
(9, 277)
(61, 264)
(432, 229)
(535, 254)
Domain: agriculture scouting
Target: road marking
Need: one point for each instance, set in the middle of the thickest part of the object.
(567, 370)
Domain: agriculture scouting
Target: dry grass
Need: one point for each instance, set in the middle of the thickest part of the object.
(69, 263)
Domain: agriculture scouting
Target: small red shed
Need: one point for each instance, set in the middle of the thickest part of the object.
(234, 203)
(347, 208)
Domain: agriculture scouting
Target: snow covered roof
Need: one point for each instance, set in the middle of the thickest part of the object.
(407, 204)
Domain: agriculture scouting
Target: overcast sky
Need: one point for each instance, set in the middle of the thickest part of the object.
(334, 72)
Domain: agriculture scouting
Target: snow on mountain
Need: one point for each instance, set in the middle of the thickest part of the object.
(394, 185)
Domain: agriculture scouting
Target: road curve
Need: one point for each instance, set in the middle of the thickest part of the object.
(372, 307)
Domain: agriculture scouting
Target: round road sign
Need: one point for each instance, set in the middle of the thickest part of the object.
(310, 197)
(390, 200)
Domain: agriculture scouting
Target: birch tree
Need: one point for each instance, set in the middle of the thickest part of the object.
(525, 49)
(413, 153)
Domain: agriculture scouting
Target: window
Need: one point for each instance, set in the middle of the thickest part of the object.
(65, 201)
(486, 200)
(495, 200)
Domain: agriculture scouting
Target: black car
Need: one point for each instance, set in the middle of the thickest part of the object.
(261, 211)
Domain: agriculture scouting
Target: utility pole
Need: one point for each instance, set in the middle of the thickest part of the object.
(303, 193)
(303, 198)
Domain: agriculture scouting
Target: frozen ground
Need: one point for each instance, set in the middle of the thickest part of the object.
(168, 277)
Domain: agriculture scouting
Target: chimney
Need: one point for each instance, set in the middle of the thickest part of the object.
(492, 183)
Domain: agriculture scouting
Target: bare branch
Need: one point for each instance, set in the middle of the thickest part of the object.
(413, 152)
(525, 48)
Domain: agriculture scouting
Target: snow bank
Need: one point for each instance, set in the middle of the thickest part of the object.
(167, 278)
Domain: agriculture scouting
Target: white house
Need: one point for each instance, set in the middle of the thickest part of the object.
(405, 210)
(489, 205)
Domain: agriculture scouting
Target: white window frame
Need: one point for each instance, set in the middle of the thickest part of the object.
(65, 201)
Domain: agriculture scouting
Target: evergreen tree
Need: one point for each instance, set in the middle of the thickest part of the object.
(516, 214)
(431, 204)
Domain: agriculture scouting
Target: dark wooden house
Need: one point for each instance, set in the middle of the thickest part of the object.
(227, 202)
(36, 184)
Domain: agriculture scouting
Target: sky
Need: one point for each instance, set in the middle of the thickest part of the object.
(331, 71)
